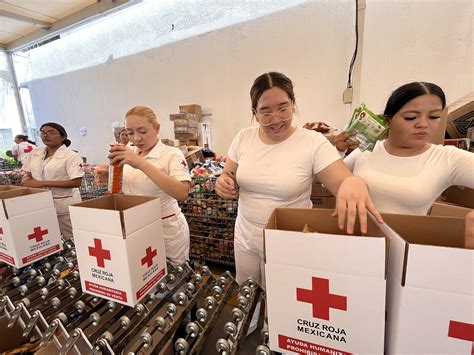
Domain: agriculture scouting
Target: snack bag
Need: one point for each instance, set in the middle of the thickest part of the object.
(369, 127)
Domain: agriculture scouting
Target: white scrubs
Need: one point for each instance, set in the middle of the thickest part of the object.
(63, 165)
(171, 161)
(21, 151)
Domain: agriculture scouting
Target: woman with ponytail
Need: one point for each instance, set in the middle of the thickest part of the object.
(57, 168)
(22, 148)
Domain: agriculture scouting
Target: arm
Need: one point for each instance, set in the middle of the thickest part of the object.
(28, 181)
(469, 230)
(121, 155)
(226, 185)
(352, 196)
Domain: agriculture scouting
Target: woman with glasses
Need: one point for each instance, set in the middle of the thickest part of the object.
(57, 168)
(155, 169)
(273, 165)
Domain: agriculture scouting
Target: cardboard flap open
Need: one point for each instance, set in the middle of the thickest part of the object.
(24, 200)
(328, 249)
(115, 214)
(435, 257)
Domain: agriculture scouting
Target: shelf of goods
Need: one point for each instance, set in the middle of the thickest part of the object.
(211, 222)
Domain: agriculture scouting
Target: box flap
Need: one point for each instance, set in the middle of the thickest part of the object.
(460, 195)
(435, 257)
(337, 251)
(448, 210)
(24, 200)
(115, 214)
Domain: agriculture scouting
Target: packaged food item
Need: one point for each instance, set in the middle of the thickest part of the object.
(369, 127)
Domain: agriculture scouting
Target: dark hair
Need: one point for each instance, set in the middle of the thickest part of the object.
(408, 92)
(60, 129)
(24, 138)
(267, 81)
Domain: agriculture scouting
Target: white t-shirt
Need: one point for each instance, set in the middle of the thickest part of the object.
(410, 185)
(63, 165)
(277, 175)
(168, 159)
(21, 151)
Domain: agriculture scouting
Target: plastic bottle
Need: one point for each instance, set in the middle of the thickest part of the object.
(115, 178)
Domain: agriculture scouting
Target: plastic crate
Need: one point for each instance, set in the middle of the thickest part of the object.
(11, 177)
(219, 251)
(211, 221)
(89, 188)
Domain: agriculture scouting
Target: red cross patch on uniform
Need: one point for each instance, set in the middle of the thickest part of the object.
(183, 164)
(80, 166)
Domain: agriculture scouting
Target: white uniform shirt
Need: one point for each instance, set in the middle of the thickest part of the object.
(277, 175)
(63, 165)
(21, 151)
(410, 185)
(168, 159)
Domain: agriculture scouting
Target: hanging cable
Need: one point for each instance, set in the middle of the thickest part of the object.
(354, 56)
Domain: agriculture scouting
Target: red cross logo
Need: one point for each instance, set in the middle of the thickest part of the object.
(460, 330)
(99, 253)
(321, 299)
(28, 149)
(149, 255)
(37, 234)
(183, 163)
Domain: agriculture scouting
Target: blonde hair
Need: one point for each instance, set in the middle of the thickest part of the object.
(143, 111)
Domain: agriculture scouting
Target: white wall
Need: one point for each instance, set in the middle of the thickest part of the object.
(417, 41)
(311, 43)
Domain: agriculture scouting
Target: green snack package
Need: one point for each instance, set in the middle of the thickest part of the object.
(369, 127)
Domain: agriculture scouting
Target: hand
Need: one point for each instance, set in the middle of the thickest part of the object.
(353, 198)
(226, 187)
(119, 154)
(30, 182)
(341, 142)
(469, 230)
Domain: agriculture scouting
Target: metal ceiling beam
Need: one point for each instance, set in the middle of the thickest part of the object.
(22, 18)
(92, 12)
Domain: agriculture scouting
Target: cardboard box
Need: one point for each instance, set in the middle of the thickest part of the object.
(29, 229)
(429, 286)
(195, 109)
(459, 195)
(460, 116)
(461, 143)
(120, 246)
(194, 156)
(326, 290)
(448, 210)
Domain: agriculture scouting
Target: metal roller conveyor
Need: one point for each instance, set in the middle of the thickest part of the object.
(160, 329)
(46, 300)
(155, 301)
(235, 330)
(211, 306)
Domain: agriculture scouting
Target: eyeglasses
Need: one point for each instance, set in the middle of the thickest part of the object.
(49, 133)
(283, 114)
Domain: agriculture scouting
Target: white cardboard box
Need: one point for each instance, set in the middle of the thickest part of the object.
(29, 229)
(430, 288)
(120, 246)
(326, 290)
